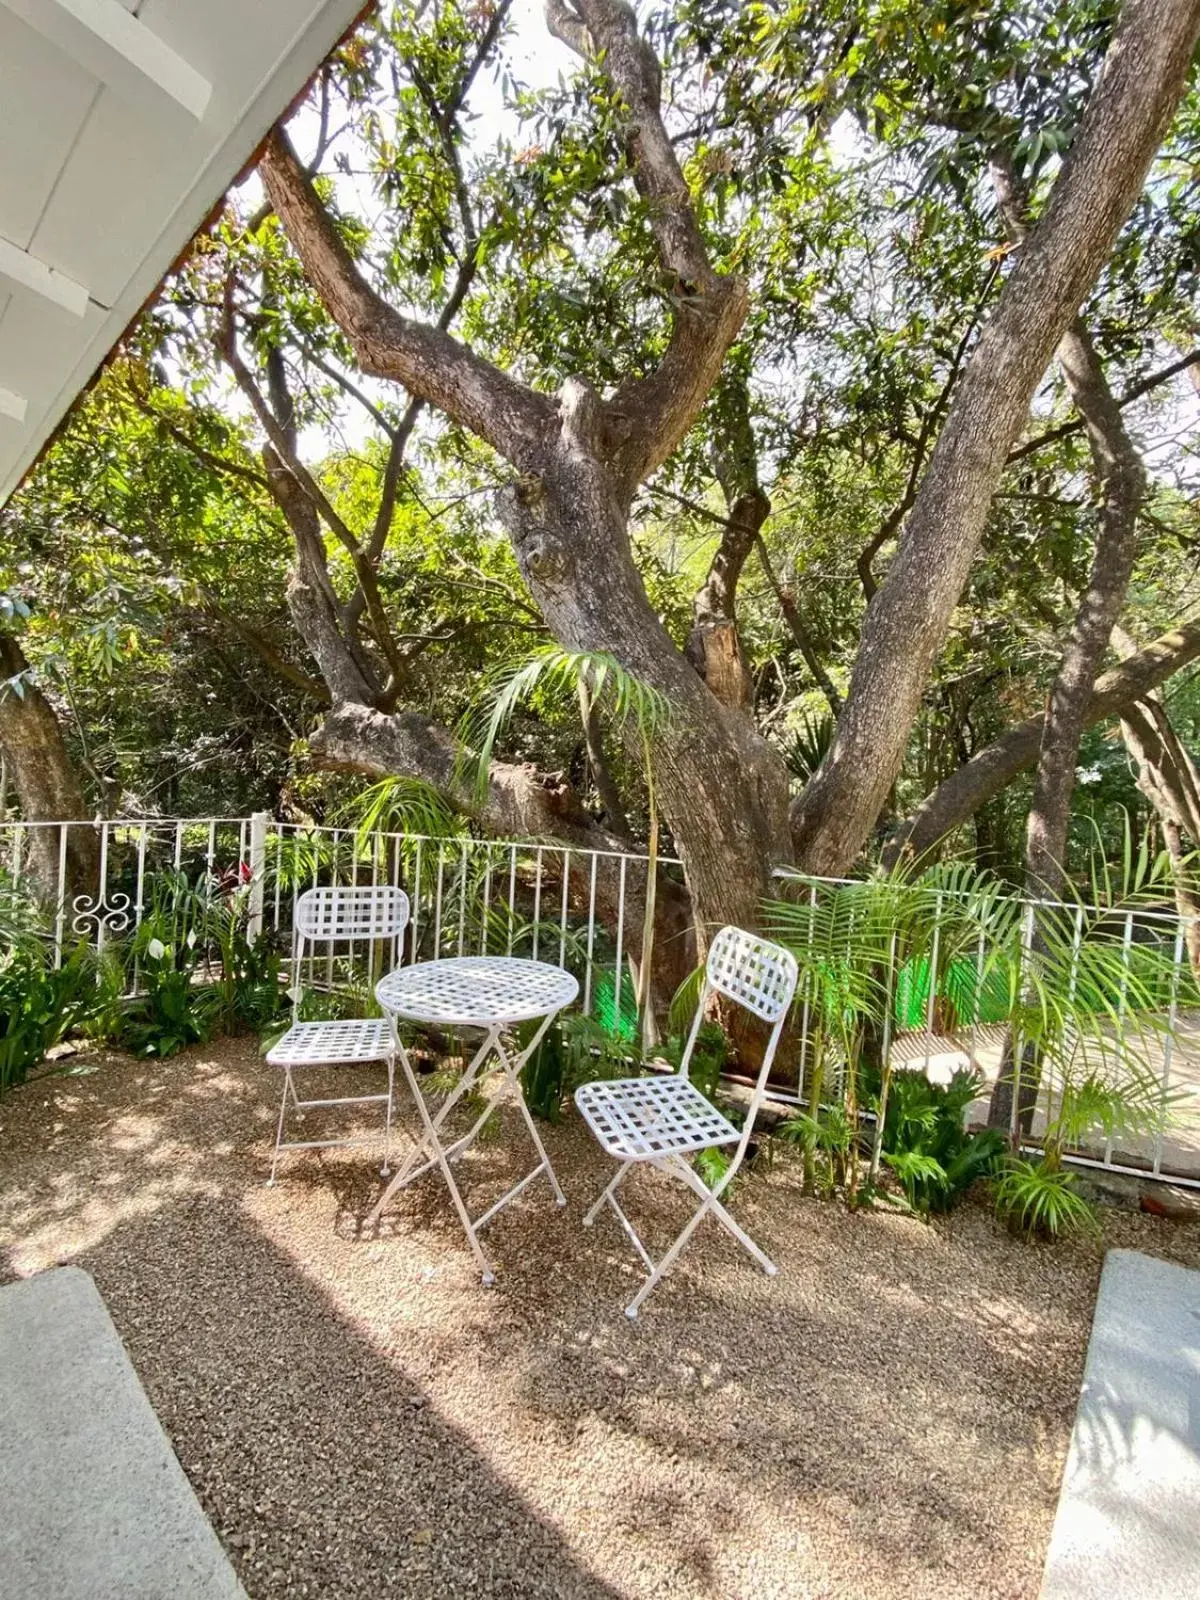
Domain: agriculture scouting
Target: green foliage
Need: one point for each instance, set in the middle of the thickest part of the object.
(400, 806)
(40, 1003)
(828, 1141)
(574, 1050)
(710, 1056)
(926, 1144)
(171, 1012)
(556, 674)
(1040, 1198)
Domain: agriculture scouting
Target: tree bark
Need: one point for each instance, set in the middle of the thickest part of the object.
(723, 791)
(957, 798)
(1167, 776)
(47, 787)
(1121, 479)
(1143, 77)
(715, 647)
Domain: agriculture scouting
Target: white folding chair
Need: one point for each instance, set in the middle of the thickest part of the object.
(664, 1119)
(327, 917)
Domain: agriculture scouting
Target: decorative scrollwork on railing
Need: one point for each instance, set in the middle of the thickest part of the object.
(98, 916)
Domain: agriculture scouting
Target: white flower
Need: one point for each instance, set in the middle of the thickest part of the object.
(191, 940)
(156, 949)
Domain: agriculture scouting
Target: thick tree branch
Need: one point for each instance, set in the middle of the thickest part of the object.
(519, 801)
(514, 419)
(714, 646)
(1138, 391)
(960, 795)
(651, 415)
(1144, 75)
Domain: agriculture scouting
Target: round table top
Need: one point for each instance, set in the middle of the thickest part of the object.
(476, 991)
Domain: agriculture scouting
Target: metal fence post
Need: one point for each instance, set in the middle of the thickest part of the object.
(258, 866)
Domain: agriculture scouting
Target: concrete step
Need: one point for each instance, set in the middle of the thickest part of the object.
(93, 1503)
(1129, 1513)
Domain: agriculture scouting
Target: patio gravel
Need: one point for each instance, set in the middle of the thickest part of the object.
(888, 1417)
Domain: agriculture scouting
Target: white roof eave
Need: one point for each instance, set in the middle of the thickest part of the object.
(122, 125)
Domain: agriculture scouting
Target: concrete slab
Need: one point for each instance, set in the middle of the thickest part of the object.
(93, 1503)
(1128, 1522)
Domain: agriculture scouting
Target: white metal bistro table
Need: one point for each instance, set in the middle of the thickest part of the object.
(491, 993)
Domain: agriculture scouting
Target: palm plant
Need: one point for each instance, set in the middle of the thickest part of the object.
(854, 942)
(1090, 1018)
(595, 679)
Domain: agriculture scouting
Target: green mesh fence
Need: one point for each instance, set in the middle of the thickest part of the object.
(971, 999)
(604, 1006)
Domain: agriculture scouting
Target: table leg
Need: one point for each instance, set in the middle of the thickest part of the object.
(406, 1174)
(513, 1069)
(440, 1159)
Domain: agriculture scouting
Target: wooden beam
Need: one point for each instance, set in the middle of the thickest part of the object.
(110, 43)
(12, 405)
(20, 270)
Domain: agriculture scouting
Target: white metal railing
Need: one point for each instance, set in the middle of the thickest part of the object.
(577, 908)
(468, 896)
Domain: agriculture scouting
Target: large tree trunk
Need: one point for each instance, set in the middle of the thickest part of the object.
(578, 463)
(1143, 78)
(721, 788)
(958, 797)
(47, 788)
(1167, 776)
(1121, 479)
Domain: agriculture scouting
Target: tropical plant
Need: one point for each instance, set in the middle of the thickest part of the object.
(1042, 1198)
(927, 1145)
(710, 1056)
(596, 679)
(574, 1050)
(40, 1002)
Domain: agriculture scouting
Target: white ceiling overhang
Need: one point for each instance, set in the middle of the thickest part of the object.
(121, 126)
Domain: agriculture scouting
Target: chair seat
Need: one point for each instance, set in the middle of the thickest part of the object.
(637, 1119)
(333, 1043)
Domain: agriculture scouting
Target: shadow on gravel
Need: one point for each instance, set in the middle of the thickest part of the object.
(323, 1466)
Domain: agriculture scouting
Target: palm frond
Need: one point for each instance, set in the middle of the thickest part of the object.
(615, 691)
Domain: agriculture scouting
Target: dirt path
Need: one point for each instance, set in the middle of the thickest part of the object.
(888, 1417)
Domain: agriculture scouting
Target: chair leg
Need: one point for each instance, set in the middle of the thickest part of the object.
(689, 1175)
(743, 1238)
(287, 1078)
(385, 1170)
(668, 1261)
(608, 1194)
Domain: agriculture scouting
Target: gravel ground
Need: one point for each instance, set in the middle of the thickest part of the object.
(887, 1417)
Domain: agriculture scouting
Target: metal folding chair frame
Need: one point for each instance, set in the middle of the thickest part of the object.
(767, 995)
(329, 916)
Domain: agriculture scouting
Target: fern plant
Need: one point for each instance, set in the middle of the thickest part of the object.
(631, 706)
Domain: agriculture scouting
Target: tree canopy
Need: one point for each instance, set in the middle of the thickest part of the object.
(696, 334)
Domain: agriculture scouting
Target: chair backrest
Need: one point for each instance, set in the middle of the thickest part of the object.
(757, 974)
(762, 977)
(365, 911)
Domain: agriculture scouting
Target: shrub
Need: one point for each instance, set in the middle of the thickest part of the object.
(40, 1003)
(1042, 1198)
(926, 1144)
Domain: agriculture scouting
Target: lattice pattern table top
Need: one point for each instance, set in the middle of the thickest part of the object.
(636, 1119)
(476, 991)
(757, 974)
(333, 1043)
